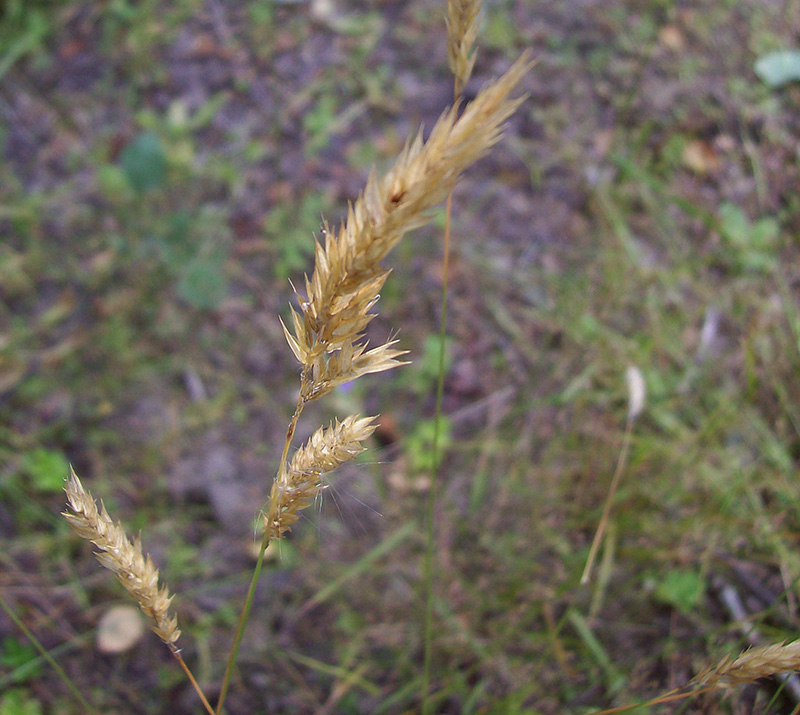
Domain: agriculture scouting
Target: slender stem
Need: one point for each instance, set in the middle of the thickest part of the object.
(668, 697)
(291, 428)
(189, 675)
(248, 602)
(237, 639)
(457, 95)
(612, 490)
(49, 658)
(431, 511)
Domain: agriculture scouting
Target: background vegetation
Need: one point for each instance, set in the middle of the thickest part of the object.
(164, 166)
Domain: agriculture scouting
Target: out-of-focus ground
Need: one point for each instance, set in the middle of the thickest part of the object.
(164, 168)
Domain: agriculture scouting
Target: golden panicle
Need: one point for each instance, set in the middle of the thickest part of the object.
(462, 31)
(751, 665)
(347, 363)
(296, 486)
(326, 335)
(133, 569)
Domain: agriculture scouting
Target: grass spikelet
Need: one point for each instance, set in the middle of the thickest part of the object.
(299, 483)
(462, 31)
(327, 337)
(751, 665)
(133, 569)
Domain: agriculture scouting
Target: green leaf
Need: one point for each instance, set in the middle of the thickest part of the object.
(113, 182)
(681, 589)
(174, 243)
(318, 123)
(778, 68)
(144, 162)
(753, 243)
(424, 371)
(14, 47)
(291, 228)
(15, 653)
(261, 12)
(19, 702)
(500, 31)
(735, 225)
(765, 232)
(419, 444)
(47, 469)
(203, 283)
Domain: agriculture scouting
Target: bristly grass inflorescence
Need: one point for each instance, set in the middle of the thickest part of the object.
(302, 480)
(327, 333)
(462, 32)
(134, 570)
(751, 665)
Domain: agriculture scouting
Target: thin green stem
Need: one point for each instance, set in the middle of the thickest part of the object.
(248, 602)
(292, 427)
(53, 664)
(431, 510)
(237, 639)
(612, 490)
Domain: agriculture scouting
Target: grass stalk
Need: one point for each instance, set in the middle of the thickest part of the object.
(327, 337)
(193, 681)
(248, 601)
(49, 658)
(430, 532)
(612, 491)
(462, 31)
(133, 568)
(240, 626)
(636, 400)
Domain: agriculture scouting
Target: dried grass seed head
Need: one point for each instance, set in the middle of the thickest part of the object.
(462, 32)
(347, 272)
(296, 487)
(134, 570)
(751, 665)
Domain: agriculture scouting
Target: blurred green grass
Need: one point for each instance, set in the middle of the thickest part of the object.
(178, 158)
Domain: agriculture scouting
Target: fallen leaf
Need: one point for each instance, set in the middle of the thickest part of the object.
(120, 628)
(671, 37)
(205, 45)
(700, 157)
(724, 143)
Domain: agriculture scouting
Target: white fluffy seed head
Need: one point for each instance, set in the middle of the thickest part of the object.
(637, 391)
